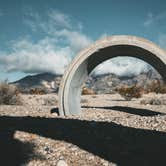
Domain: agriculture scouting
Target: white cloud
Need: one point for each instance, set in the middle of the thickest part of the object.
(122, 66)
(149, 20)
(152, 18)
(62, 39)
(162, 41)
(76, 40)
(60, 19)
(53, 52)
(43, 56)
(60, 26)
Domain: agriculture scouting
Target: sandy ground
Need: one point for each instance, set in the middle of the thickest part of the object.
(110, 131)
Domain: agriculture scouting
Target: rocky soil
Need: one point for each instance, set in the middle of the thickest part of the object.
(110, 131)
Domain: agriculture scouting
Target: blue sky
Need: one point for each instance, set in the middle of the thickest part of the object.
(43, 36)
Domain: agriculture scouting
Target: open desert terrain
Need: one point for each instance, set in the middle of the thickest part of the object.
(102, 61)
(110, 132)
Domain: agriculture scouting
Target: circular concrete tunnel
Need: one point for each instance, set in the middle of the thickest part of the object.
(102, 50)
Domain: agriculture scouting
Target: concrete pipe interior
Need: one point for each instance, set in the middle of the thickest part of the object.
(102, 50)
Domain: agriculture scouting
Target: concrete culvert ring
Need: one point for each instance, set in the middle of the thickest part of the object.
(102, 50)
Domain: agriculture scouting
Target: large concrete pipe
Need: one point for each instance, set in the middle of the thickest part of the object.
(102, 50)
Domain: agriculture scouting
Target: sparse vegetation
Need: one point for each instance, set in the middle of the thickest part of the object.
(9, 94)
(87, 91)
(156, 86)
(135, 91)
(37, 91)
(129, 92)
(154, 100)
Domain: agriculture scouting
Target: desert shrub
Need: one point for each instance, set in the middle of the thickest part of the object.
(153, 101)
(129, 92)
(156, 86)
(87, 91)
(37, 91)
(9, 94)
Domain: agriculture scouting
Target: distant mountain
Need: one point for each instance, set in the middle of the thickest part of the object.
(106, 83)
(46, 81)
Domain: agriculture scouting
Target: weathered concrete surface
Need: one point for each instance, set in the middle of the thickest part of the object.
(89, 58)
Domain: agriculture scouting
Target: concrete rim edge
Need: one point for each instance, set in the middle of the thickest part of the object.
(102, 43)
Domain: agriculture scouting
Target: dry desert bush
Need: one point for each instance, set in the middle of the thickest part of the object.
(129, 92)
(9, 94)
(153, 101)
(37, 91)
(156, 86)
(87, 91)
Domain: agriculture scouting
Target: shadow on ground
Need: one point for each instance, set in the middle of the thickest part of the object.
(124, 146)
(130, 110)
(13, 152)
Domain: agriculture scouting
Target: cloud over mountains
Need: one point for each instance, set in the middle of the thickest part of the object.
(61, 39)
(123, 66)
(51, 53)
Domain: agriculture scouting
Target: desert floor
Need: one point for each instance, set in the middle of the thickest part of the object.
(110, 131)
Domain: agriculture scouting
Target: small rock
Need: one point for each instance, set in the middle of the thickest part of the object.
(54, 111)
(61, 163)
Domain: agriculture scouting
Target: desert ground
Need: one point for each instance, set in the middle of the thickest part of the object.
(110, 132)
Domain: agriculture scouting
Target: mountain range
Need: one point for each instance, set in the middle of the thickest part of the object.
(105, 83)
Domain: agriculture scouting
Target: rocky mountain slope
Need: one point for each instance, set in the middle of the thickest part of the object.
(106, 83)
(46, 81)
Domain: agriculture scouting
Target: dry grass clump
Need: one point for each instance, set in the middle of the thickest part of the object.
(153, 101)
(129, 92)
(37, 91)
(156, 86)
(9, 94)
(87, 91)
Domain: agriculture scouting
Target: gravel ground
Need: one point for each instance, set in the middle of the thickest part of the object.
(110, 132)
